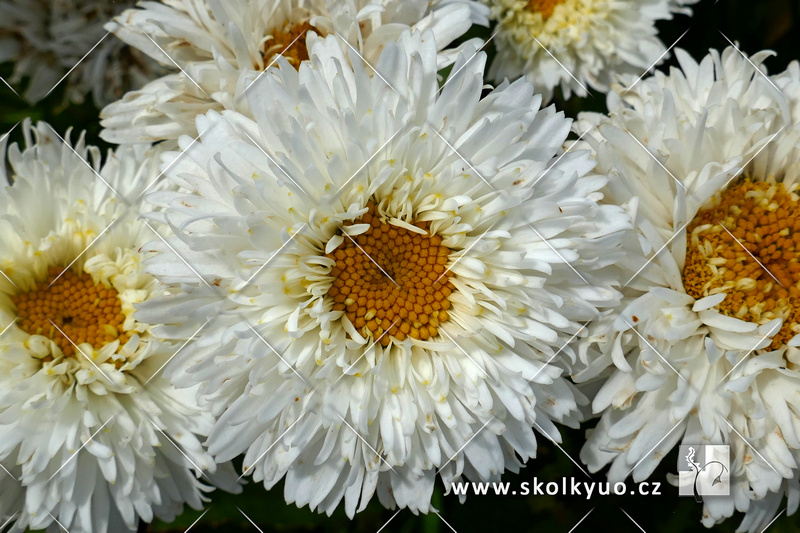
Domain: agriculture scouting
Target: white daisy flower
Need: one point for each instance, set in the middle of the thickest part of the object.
(704, 349)
(577, 44)
(220, 48)
(381, 308)
(47, 39)
(92, 437)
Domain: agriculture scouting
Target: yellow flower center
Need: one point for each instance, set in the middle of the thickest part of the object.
(290, 42)
(86, 312)
(747, 245)
(392, 280)
(545, 7)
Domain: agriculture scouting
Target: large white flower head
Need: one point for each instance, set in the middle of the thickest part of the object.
(50, 39)
(387, 276)
(221, 47)
(704, 349)
(92, 437)
(577, 44)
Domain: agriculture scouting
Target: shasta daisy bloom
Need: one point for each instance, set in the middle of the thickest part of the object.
(379, 307)
(577, 44)
(92, 437)
(220, 48)
(705, 345)
(47, 39)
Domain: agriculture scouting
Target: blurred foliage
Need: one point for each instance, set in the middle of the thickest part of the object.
(753, 25)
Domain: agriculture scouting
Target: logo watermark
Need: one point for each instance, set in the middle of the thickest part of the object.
(704, 470)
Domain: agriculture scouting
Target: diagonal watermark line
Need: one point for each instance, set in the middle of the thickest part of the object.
(770, 522)
(561, 64)
(464, 445)
(656, 62)
(75, 66)
(6, 134)
(363, 251)
(96, 173)
(463, 254)
(384, 80)
(59, 523)
(750, 254)
(664, 359)
(367, 444)
(560, 350)
(6, 329)
(8, 279)
(464, 159)
(387, 522)
(645, 456)
(551, 439)
(368, 161)
(364, 353)
(81, 351)
(581, 520)
(276, 163)
(18, 96)
(751, 63)
(555, 163)
(274, 60)
(190, 339)
(741, 169)
(652, 155)
(652, 257)
(10, 518)
(179, 256)
(82, 446)
(9, 475)
(445, 522)
(451, 339)
(177, 158)
(751, 446)
(198, 519)
(247, 469)
(547, 242)
(453, 75)
(177, 65)
(632, 520)
(250, 520)
(274, 254)
(83, 252)
(285, 362)
(769, 334)
(197, 468)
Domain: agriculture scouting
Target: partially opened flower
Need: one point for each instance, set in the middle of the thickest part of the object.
(704, 349)
(217, 49)
(577, 45)
(63, 41)
(92, 438)
(388, 275)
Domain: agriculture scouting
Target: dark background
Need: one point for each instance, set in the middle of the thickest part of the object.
(754, 25)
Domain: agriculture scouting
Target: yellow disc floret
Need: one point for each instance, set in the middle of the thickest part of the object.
(545, 7)
(392, 280)
(289, 42)
(85, 311)
(747, 245)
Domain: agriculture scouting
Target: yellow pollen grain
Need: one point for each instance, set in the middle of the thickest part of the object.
(545, 7)
(412, 301)
(85, 311)
(765, 218)
(289, 42)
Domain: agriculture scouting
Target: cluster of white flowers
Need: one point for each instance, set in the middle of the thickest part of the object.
(325, 246)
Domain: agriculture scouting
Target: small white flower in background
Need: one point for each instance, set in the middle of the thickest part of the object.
(582, 44)
(381, 308)
(92, 437)
(46, 39)
(218, 48)
(705, 347)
